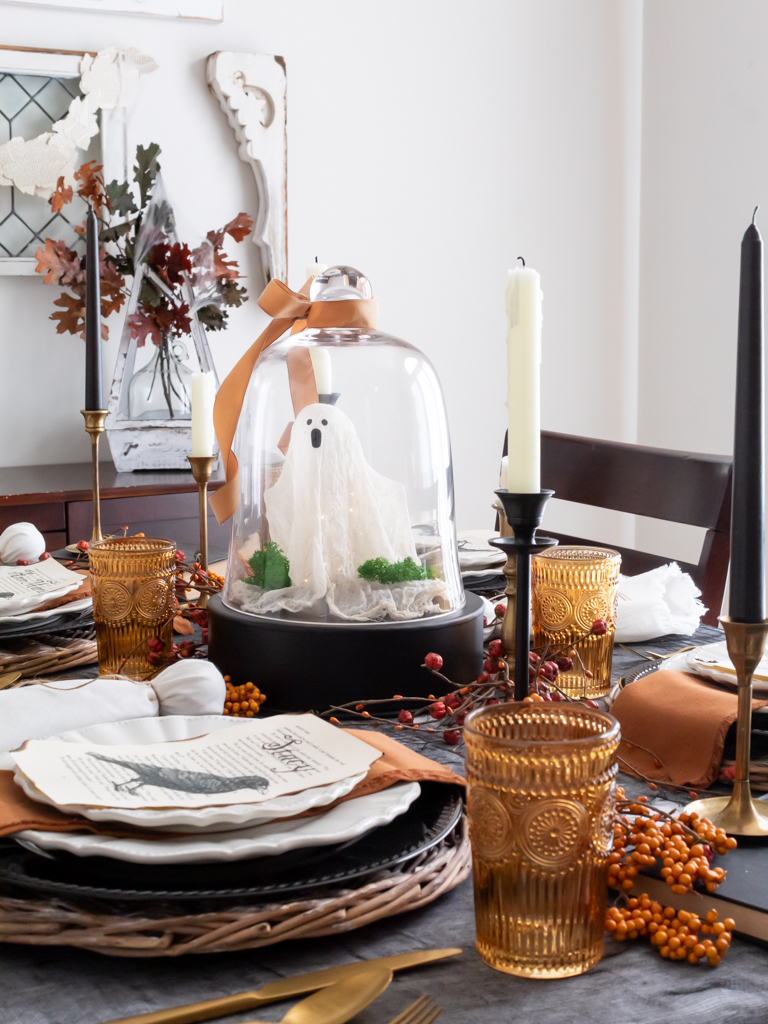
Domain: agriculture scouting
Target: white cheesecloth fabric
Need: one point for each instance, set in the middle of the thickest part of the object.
(190, 687)
(655, 603)
(329, 512)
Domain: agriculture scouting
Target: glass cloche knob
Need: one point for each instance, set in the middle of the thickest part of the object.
(340, 283)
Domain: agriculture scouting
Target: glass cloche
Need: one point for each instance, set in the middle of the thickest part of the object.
(346, 509)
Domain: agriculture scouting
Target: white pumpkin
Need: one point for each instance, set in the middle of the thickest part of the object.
(21, 541)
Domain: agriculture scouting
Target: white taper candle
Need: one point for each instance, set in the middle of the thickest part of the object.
(313, 269)
(321, 364)
(203, 389)
(523, 301)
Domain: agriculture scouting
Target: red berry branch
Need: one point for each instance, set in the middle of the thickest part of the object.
(492, 686)
(28, 561)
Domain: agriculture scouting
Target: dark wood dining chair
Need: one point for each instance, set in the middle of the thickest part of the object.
(679, 487)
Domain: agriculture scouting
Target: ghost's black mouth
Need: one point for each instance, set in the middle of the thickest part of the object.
(317, 437)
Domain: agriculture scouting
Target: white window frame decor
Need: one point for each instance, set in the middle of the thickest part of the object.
(108, 82)
(201, 10)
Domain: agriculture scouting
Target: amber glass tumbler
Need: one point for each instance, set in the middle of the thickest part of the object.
(541, 790)
(571, 587)
(133, 581)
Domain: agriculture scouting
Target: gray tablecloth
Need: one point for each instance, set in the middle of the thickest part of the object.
(631, 985)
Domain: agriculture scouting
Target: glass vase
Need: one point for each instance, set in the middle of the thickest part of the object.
(133, 584)
(541, 795)
(161, 390)
(571, 587)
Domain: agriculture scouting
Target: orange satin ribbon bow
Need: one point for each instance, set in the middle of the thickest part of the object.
(287, 308)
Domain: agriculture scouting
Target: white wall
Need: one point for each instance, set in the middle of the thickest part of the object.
(430, 143)
(704, 169)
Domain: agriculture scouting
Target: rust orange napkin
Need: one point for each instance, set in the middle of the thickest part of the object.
(681, 720)
(84, 590)
(398, 763)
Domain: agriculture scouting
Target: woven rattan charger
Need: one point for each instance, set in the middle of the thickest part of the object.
(144, 933)
(47, 653)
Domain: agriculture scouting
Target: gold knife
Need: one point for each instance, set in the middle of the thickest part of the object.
(274, 991)
(340, 1002)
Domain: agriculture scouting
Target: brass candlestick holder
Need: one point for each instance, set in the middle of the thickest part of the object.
(202, 467)
(94, 425)
(738, 813)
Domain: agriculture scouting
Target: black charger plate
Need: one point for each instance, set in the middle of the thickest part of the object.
(61, 623)
(429, 819)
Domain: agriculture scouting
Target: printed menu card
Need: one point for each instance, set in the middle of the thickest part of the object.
(247, 763)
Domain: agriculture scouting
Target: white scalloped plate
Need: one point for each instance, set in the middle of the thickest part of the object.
(712, 662)
(346, 821)
(73, 606)
(12, 611)
(182, 819)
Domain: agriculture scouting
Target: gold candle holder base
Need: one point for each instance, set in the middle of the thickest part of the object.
(738, 813)
(202, 468)
(94, 425)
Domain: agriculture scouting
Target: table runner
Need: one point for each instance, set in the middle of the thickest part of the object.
(631, 985)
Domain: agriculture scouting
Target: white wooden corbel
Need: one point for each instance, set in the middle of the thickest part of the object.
(251, 88)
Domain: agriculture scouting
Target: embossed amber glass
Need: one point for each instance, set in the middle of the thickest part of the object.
(571, 587)
(132, 580)
(541, 791)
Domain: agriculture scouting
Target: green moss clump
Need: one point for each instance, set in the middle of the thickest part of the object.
(270, 568)
(381, 570)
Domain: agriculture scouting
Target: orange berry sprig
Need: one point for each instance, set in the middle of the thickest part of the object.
(189, 577)
(242, 701)
(685, 845)
(677, 936)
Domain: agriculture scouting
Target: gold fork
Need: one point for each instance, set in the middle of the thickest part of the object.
(663, 657)
(423, 1011)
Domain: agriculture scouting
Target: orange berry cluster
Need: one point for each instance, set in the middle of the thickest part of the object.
(678, 936)
(242, 701)
(640, 842)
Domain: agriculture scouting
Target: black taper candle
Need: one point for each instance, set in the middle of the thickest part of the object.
(93, 396)
(747, 584)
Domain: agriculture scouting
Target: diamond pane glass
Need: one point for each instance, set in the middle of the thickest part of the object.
(29, 105)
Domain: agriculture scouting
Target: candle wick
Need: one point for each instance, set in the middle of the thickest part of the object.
(521, 260)
(755, 214)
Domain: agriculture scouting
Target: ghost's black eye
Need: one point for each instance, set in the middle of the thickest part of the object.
(308, 422)
(325, 423)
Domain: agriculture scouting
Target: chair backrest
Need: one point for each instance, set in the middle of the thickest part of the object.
(680, 487)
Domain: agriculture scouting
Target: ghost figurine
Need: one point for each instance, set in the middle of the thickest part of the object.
(329, 512)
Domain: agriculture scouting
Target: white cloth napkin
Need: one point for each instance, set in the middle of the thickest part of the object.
(190, 687)
(664, 600)
(476, 553)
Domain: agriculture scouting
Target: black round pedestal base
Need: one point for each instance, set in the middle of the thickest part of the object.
(303, 666)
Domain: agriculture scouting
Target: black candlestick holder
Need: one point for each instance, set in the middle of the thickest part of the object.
(524, 513)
